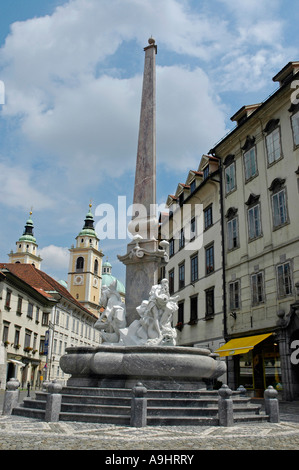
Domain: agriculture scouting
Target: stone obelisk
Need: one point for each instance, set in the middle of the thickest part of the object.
(143, 256)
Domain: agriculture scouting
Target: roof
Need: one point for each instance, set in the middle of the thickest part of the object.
(44, 284)
(294, 76)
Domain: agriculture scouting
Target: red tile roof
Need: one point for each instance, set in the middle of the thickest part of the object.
(41, 282)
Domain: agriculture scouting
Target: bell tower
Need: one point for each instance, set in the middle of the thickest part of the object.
(84, 277)
(26, 247)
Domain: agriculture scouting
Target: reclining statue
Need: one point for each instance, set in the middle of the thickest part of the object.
(152, 328)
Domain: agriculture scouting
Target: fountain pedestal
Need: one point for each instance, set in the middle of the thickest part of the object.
(157, 367)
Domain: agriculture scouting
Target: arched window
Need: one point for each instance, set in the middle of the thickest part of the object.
(96, 266)
(79, 264)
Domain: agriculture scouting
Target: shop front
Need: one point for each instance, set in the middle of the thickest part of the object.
(254, 362)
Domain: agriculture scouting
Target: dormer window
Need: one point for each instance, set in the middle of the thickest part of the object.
(193, 186)
(181, 198)
(206, 172)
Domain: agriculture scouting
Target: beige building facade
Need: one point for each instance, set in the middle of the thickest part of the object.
(260, 171)
(39, 320)
(194, 269)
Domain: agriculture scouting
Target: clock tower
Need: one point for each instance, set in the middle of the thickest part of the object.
(84, 277)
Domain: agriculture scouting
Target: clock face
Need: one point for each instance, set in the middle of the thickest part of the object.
(78, 281)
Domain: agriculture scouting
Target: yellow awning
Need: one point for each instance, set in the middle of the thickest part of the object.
(240, 345)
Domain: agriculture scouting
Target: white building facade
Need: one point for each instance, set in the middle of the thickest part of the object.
(260, 171)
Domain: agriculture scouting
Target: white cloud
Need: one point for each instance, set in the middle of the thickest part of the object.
(55, 258)
(57, 71)
(18, 188)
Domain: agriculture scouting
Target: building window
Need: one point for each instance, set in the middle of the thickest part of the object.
(79, 264)
(193, 229)
(8, 299)
(230, 178)
(96, 266)
(208, 217)
(180, 314)
(273, 145)
(37, 315)
(181, 198)
(17, 338)
(232, 234)
(210, 306)
(250, 163)
(181, 276)
(210, 259)
(279, 207)
(194, 268)
(171, 281)
(234, 295)
(27, 339)
(30, 311)
(284, 279)
(193, 310)
(5, 333)
(181, 239)
(19, 305)
(254, 222)
(193, 186)
(232, 228)
(295, 128)
(257, 288)
(206, 172)
(171, 247)
(45, 319)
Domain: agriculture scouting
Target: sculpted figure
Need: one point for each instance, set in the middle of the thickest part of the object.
(153, 327)
(113, 317)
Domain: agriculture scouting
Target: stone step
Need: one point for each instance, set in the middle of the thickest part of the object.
(34, 403)
(29, 412)
(182, 411)
(168, 407)
(95, 418)
(96, 400)
(182, 421)
(245, 418)
(96, 409)
(95, 391)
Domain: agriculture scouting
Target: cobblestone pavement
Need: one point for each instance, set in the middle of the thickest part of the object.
(17, 433)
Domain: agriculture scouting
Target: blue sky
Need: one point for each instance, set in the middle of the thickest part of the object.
(72, 72)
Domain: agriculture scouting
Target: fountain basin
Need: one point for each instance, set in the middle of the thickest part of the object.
(157, 367)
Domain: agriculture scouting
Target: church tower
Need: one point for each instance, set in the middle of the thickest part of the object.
(26, 251)
(84, 277)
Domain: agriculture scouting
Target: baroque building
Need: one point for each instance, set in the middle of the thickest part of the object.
(39, 318)
(259, 162)
(194, 270)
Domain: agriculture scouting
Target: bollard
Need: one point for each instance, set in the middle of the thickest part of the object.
(53, 404)
(225, 406)
(271, 404)
(11, 396)
(139, 406)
